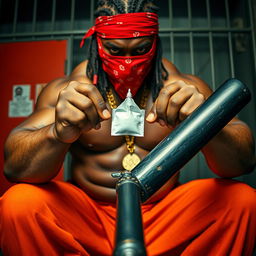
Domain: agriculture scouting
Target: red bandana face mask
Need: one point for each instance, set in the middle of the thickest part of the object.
(126, 72)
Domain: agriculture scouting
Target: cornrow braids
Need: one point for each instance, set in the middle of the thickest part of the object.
(154, 81)
(111, 6)
(120, 6)
(132, 6)
(104, 10)
(142, 6)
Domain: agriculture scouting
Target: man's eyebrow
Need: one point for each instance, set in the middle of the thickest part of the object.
(143, 44)
(109, 44)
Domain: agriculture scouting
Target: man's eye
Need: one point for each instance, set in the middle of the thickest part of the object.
(114, 50)
(141, 50)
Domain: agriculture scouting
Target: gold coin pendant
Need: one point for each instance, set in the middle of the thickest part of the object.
(130, 161)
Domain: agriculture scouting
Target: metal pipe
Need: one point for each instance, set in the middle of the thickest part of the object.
(92, 11)
(171, 36)
(227, 13)
(208, 14)
(190, 136)
(230, 47)
(34, 16)
(72, 14)
(191, 47)
(172, 46)
(15, 16)
(252, 13)
(191, 43)
(252, 10)
(231, 57)
(129, 228)
(212, 60)
(53, 16)
(189, 13)
(209, 20)
(170, 13)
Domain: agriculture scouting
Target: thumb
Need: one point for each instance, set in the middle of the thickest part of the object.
(152, 116)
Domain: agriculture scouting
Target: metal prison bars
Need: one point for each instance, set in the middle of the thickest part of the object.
(28, 20)
(72, 33)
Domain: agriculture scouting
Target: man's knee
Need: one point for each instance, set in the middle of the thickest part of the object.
(226, 192)
(21, 200)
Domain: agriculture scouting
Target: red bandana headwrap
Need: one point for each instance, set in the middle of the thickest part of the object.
(125, 72)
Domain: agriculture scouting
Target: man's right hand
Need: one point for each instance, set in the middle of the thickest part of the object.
(80, 107)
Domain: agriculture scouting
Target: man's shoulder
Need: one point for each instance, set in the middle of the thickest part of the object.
(79, 73)
(174, 73)
(80, 68)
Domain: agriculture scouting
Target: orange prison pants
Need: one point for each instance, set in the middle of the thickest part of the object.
(203, 217)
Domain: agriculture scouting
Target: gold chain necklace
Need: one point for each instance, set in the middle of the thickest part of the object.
(131, 159)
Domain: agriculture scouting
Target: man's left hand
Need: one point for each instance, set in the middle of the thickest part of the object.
(175, 102)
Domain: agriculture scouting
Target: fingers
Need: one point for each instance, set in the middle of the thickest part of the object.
(72, 116)
(191, 105)
(182, 104)
(80, 107)
(166, 99)
(175, 102)
(159, 107)
(88, 100)
(77, 105)
(92, 93)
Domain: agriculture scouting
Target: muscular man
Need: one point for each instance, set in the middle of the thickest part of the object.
(44, 217)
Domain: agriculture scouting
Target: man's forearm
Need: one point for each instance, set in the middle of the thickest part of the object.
(34, 156)
(231, 152)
